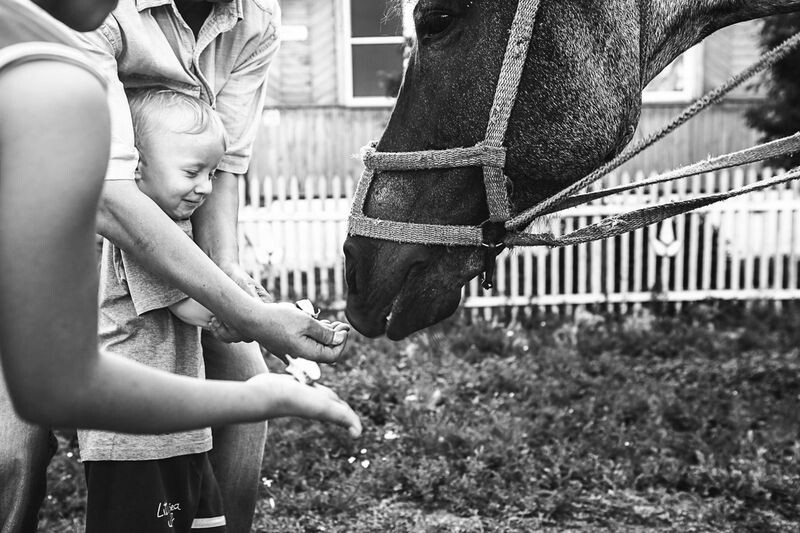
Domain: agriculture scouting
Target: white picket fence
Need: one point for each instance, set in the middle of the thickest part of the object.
(748, 248)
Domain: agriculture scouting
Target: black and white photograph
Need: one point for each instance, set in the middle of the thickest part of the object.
(402, 266)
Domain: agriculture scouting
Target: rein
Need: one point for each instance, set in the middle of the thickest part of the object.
(501, 229)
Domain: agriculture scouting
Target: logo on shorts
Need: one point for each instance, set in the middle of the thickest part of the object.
(166, 509)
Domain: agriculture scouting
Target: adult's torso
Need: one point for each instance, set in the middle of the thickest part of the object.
(155, 47)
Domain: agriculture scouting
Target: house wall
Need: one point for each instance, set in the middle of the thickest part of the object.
(729, 51)
(325, 140)
(306, 72)
(309, 71)
(306, 132)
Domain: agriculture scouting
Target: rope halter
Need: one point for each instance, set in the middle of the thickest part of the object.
(501, 230)
(489, 154)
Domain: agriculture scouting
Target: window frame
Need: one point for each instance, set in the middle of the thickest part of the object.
(347, 57)
(693, 59)
(693, 62)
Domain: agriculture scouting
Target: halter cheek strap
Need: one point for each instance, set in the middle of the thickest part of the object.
(489, 154)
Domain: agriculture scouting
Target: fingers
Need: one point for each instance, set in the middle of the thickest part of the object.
(283, 396)
(323, 354)
(327, 340)
(327, 334)
(224, 333)
(263, 294)
(335, 410)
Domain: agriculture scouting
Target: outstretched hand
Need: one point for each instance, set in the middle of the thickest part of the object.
(285, 396)
(288, 330)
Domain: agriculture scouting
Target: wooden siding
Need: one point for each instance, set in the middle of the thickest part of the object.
(728, 52)
(315, 141)
(309, 72)
(305, 72)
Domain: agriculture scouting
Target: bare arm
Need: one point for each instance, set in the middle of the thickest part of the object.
(214, 227)
(192, 313)
(53, 151)
(133, 222)
(239, 103)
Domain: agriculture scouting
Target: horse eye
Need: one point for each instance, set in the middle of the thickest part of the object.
(433, 23)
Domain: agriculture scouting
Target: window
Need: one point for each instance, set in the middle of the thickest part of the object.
(375, 44)
(377, 36)
(678, 82)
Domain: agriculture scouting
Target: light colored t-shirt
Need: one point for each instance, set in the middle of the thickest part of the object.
(135, 322)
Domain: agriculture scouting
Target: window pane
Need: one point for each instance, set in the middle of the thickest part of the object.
(377, 69)
(376, 18)
(672, 79)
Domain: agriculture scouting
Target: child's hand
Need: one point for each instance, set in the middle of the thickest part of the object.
(281, 395)
(223, 332)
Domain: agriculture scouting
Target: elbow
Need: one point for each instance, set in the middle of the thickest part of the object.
(107, 211)
(40, 409)
(52, 402)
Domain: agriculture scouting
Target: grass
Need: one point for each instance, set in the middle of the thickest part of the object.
(681, 423)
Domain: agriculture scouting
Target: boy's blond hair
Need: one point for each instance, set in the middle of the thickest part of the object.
(181, 113)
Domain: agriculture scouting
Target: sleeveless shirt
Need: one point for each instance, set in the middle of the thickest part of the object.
(28, 33)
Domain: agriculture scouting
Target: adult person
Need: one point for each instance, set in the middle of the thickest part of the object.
(52, 149)
(219, 51)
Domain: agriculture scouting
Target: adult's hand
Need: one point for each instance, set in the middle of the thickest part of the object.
(282, 328)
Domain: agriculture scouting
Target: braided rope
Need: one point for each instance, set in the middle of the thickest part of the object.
(409, 232)
(627, 222)
(776, 54)
(478, 155)
(505, 97)
(778, 147)
(489, 154)
(359, 224)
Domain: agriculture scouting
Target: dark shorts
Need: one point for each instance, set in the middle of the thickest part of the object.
(174, 495)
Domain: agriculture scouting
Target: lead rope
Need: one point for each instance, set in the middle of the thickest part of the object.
(553, 203)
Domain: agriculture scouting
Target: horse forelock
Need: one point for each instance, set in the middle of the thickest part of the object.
(396, 8)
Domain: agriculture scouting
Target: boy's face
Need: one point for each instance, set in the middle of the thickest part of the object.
(176, 169)
(81, 15)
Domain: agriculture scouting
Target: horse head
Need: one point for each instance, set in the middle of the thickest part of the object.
(578, 104)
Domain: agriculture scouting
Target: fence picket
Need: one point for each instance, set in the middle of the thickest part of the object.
(569, 263)
(555, 270)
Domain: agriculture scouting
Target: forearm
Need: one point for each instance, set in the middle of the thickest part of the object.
(215, 224)
(138, 226)
(116, 394)
(192, 313)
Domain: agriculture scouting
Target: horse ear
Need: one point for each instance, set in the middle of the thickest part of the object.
(670, 28)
